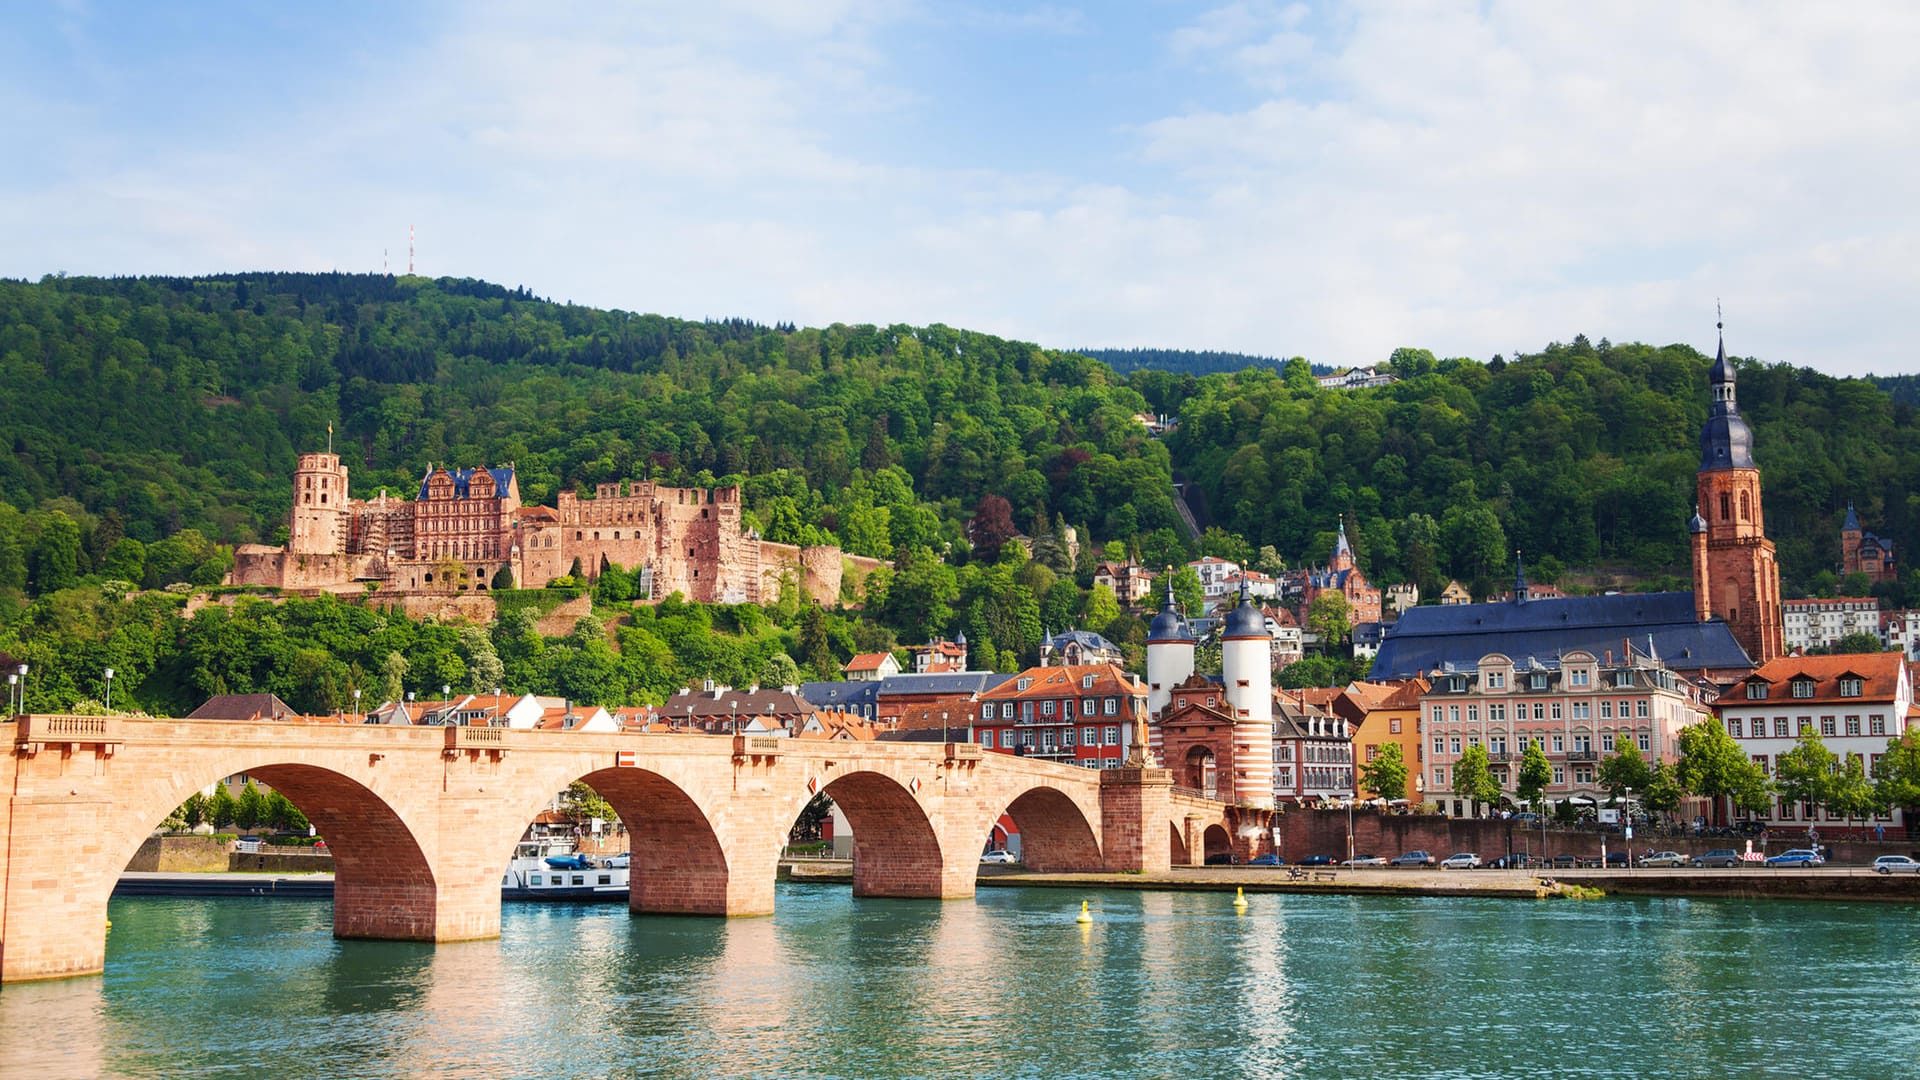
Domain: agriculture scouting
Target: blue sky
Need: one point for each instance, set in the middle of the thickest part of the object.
(1332, 181)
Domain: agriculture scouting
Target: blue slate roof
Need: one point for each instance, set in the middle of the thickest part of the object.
(840, 695)
(1087, 639)
(1426, 639)
(941, 682)
(502, 479)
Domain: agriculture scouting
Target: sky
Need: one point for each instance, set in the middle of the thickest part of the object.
(1330, 181)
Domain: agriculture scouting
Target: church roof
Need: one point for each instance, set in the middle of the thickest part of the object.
(1725, 441)
(1852, 524)
(1427, 639)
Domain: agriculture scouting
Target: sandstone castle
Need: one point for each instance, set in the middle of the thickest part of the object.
(466, 525)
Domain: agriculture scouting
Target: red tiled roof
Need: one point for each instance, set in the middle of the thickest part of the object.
(867, 661)
(1879, 672)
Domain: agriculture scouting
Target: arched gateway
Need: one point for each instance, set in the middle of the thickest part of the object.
(421, 820)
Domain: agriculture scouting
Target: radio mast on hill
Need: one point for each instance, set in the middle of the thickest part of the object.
(409, 251)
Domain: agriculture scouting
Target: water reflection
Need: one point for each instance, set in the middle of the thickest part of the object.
(1162, 984)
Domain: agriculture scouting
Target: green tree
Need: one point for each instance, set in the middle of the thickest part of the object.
(393, 677)
(222, 808)
(1896, 776)
(1851, 793)
(1386, 775)
(1626, 769)
(1663, 790)
(1473, 778)
(1857, 642)
(1188, 593)
(1330, 616)
(502, 579)
(125, 561)
(1805, 773)
(281, 814)
(780, 670)
(1536, 772)
(584, 803)
(252, 809)
(1713, 766)
(1102, 608)
(193, 812)
(55, 563)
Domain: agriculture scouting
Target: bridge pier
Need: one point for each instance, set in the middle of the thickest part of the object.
(1134, 808)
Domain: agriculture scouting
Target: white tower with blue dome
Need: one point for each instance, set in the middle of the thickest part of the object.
(1170, 647)
(1246, 667)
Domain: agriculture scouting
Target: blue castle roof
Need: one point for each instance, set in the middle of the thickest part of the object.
(462, 478)
(1426, 639)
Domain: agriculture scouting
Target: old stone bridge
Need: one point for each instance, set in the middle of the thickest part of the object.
(422, 821)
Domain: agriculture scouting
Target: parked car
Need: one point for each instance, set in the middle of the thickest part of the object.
(1518, 860)
(1316, 860)
(1618, 858)
(1895, 864)
(1269, 859)
(1566, 862)
(1223, 858)
(998, 856)
(1365, 860)
(1413, 858)
(1667, 858)
(1464, 860)
(247, 845)
(1725, 856)
(1797, 857)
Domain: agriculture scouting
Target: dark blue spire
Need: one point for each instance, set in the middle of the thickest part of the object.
(1725, 442)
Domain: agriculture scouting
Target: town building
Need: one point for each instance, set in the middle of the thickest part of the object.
(1131, 583)
(1854, 702)
(1394, 719)
(1901, 631)
(1312, 750)
(1359, 378)
(1078, 648)
(1074, 714)
(1862, 552)
(1240, 747)
(1816, 623)
(1217, 576)
(940, 655)
(1289, 645)
(1735, 576)
(1455, 594)
(1400, 597)
(870, 667)
(1342, 574)
(465, 526)
(1578, 707)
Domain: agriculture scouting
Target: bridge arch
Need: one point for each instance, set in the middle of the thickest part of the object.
(1215, 841)
(896, 851)
(1056, 835)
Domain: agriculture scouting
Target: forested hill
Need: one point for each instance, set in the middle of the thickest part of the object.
(1182, 361)
(1577, 455)
(144, 405)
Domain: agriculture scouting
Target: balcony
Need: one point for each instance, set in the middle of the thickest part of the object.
(1583, 755)
(1500, 757)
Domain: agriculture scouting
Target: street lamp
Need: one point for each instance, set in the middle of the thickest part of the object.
(734, 705)
(356, 703)
(943, 726)
(1350, 852)
(12, 682)
(1626, 810)
(109, 702)
(23, 688)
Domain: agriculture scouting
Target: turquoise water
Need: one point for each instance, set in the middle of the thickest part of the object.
(1162, 984)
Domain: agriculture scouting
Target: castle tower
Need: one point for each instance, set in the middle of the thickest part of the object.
(320, 510)
(1246, 667)
(1170, 647)
(1735, 575)
(1850, 533)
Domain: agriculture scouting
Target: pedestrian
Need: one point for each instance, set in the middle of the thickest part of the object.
(1879, 833)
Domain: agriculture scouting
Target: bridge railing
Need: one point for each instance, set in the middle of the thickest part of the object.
(37, 730)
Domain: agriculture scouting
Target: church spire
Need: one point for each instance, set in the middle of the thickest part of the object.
(1519, 579)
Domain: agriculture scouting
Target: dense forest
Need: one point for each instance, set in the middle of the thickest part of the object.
(154, 423)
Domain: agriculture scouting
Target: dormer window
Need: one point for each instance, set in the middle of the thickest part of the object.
(1023, 684)
(1578, 677)
(1756, 691)
(1496, 680)
(1086, 682)
(1537, 681)
(1850, 686)
(1803, 688)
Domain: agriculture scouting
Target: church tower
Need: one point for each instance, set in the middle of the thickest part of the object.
(320, 510)
(1734, 573)
(1170, 648)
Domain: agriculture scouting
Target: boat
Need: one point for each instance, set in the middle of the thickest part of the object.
(550, 869)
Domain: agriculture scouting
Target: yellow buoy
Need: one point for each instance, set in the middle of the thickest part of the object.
(1084, 916)
(1240, 898)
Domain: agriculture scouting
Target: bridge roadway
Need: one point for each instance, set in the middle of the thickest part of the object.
(421, 821)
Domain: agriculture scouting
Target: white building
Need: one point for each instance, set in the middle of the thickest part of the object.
(1818, 623)
(1856, 702)
(1218, 577)
(1901, 631)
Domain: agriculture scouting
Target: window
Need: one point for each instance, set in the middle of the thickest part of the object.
(1496, 712)
(1850, 686)
(1827, 726)
(1606, 710)
(1761, 761)
(1473, 714)
(1580, 710)
(1439, 776)
(1067, 737)
(1497, 744)
(1606, 742)
(1556, 710)
(1577, 677)
(986, 711)
(1046, 708)
(1439, 745)
(1582, 743)
(1733, 726)
(1090, 707)
(1006, 710)
(1372, 752)
(1539, 711)
(1086, 682)
(1559, 743)
(1645, 743)
(1876, 725)
(1437, 714)
(1453, 714)
(1559, 774)
(1853, 725)
(1112, 734)
(1780, 728)
(1583, 774)
(1757, 691)
(1496, 680)
(1639, 709)
(1453, 745)
(1393, 726)
(1805, 726)
(1089, 736)
(1026, 711)
(1113, 706)
(1803, 688)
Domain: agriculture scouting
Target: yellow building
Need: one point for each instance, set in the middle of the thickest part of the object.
(1393, 719)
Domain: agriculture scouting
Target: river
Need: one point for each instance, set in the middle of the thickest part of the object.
(1160, 985)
